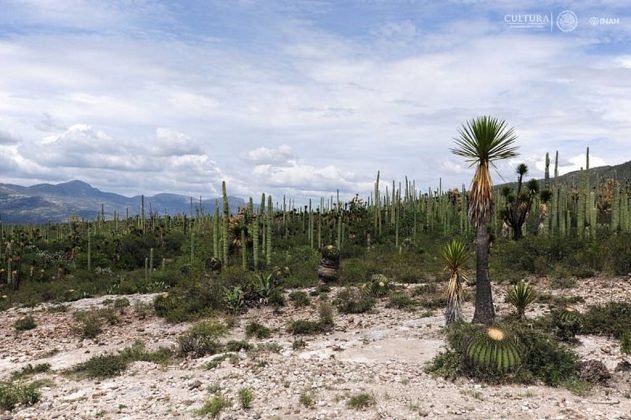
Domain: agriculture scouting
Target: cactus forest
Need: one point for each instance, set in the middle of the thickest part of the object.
(315, 209)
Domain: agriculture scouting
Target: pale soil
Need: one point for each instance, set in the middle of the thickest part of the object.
(382, 353)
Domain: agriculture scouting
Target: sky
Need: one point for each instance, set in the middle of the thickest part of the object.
(302, 98)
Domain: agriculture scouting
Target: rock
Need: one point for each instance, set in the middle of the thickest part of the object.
(594, 371)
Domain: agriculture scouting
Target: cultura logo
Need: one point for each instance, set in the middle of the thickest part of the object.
(567, 21)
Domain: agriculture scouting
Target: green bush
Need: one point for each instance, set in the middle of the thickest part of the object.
(544, 358)
(299, 298)
(611, 319)
(400, 300)
(201, 339)
(625, 342)
(90, 324)
(13, 394)
(351, 300)
(29, 370)
(361, 401)
(246, 396)
(25, 323)
(213, 407)
(255, 329)
(304, 327)
(237, 346)
(111, 365)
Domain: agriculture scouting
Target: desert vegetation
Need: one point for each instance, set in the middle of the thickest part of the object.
(244, 287)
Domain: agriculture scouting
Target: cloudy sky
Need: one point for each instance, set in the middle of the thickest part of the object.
(302, 97)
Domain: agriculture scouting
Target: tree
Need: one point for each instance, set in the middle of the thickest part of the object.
(482, 141)
(518, 204)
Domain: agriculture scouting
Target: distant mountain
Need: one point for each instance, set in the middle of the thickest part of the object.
(43, 203)
(620, 172)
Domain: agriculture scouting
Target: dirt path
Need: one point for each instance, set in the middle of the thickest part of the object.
(381, 353)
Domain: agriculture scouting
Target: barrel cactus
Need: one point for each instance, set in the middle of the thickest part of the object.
(329, 264)
(331, 252)
(568, 323)
(494, 349)
(378, 286)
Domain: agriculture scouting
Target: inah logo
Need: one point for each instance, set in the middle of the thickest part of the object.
(567, 21)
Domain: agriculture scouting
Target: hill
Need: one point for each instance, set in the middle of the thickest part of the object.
(43, 203)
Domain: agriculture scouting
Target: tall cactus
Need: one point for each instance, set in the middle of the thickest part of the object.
(216, 232)
(268, 239)
(225, 224)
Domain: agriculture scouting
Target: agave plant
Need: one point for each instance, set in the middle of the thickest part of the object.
(234, 298)
(521, 295)
(455, 256)
(494, 349)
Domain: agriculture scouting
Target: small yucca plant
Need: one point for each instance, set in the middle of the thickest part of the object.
(521, 295)
(455, 256)
(494, 349)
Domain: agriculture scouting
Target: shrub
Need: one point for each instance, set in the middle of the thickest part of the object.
(201, 339)
(110, 365)
(304, 327)
(121, 303)
(361, 401)
(307, 399)
(612, 319)
(351, 300)
(400, 300)
(214, 406)
(325, 311)
(625, 342)
(544, 359)
(246, 396)
(25, 323)
(254, 329)
(299, 298)
(13, 394)
(237, 346)
(90, 325)
(298, 344)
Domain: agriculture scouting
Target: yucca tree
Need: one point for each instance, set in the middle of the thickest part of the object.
(455, 256)
(482, 141)
(520, 296)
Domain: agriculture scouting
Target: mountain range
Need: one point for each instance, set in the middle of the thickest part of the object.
(55, 203)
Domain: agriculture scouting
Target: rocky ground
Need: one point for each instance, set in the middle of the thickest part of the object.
(381, 353)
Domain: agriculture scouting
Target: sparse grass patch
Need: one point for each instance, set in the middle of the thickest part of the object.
(246, 396)
(307, 399)
(237, 346)
(12, 395)
(255, 329)
(201, 339)
(351, 300)
(400, 300)
(110, 365)
(361, 401)
(121, 303)
(214, 406)
(29, 370)
(299, 298)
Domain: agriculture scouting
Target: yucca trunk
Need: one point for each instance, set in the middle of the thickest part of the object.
(484, 311)
(453, 313)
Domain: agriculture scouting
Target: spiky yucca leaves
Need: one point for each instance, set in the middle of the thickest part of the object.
(455, 256)
(482, 141)
(520, 296)
(568, 323)
(494, 349)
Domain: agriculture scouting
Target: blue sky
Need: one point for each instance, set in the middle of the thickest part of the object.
(301, 97)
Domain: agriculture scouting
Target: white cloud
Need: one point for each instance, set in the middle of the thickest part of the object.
(282, 155)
